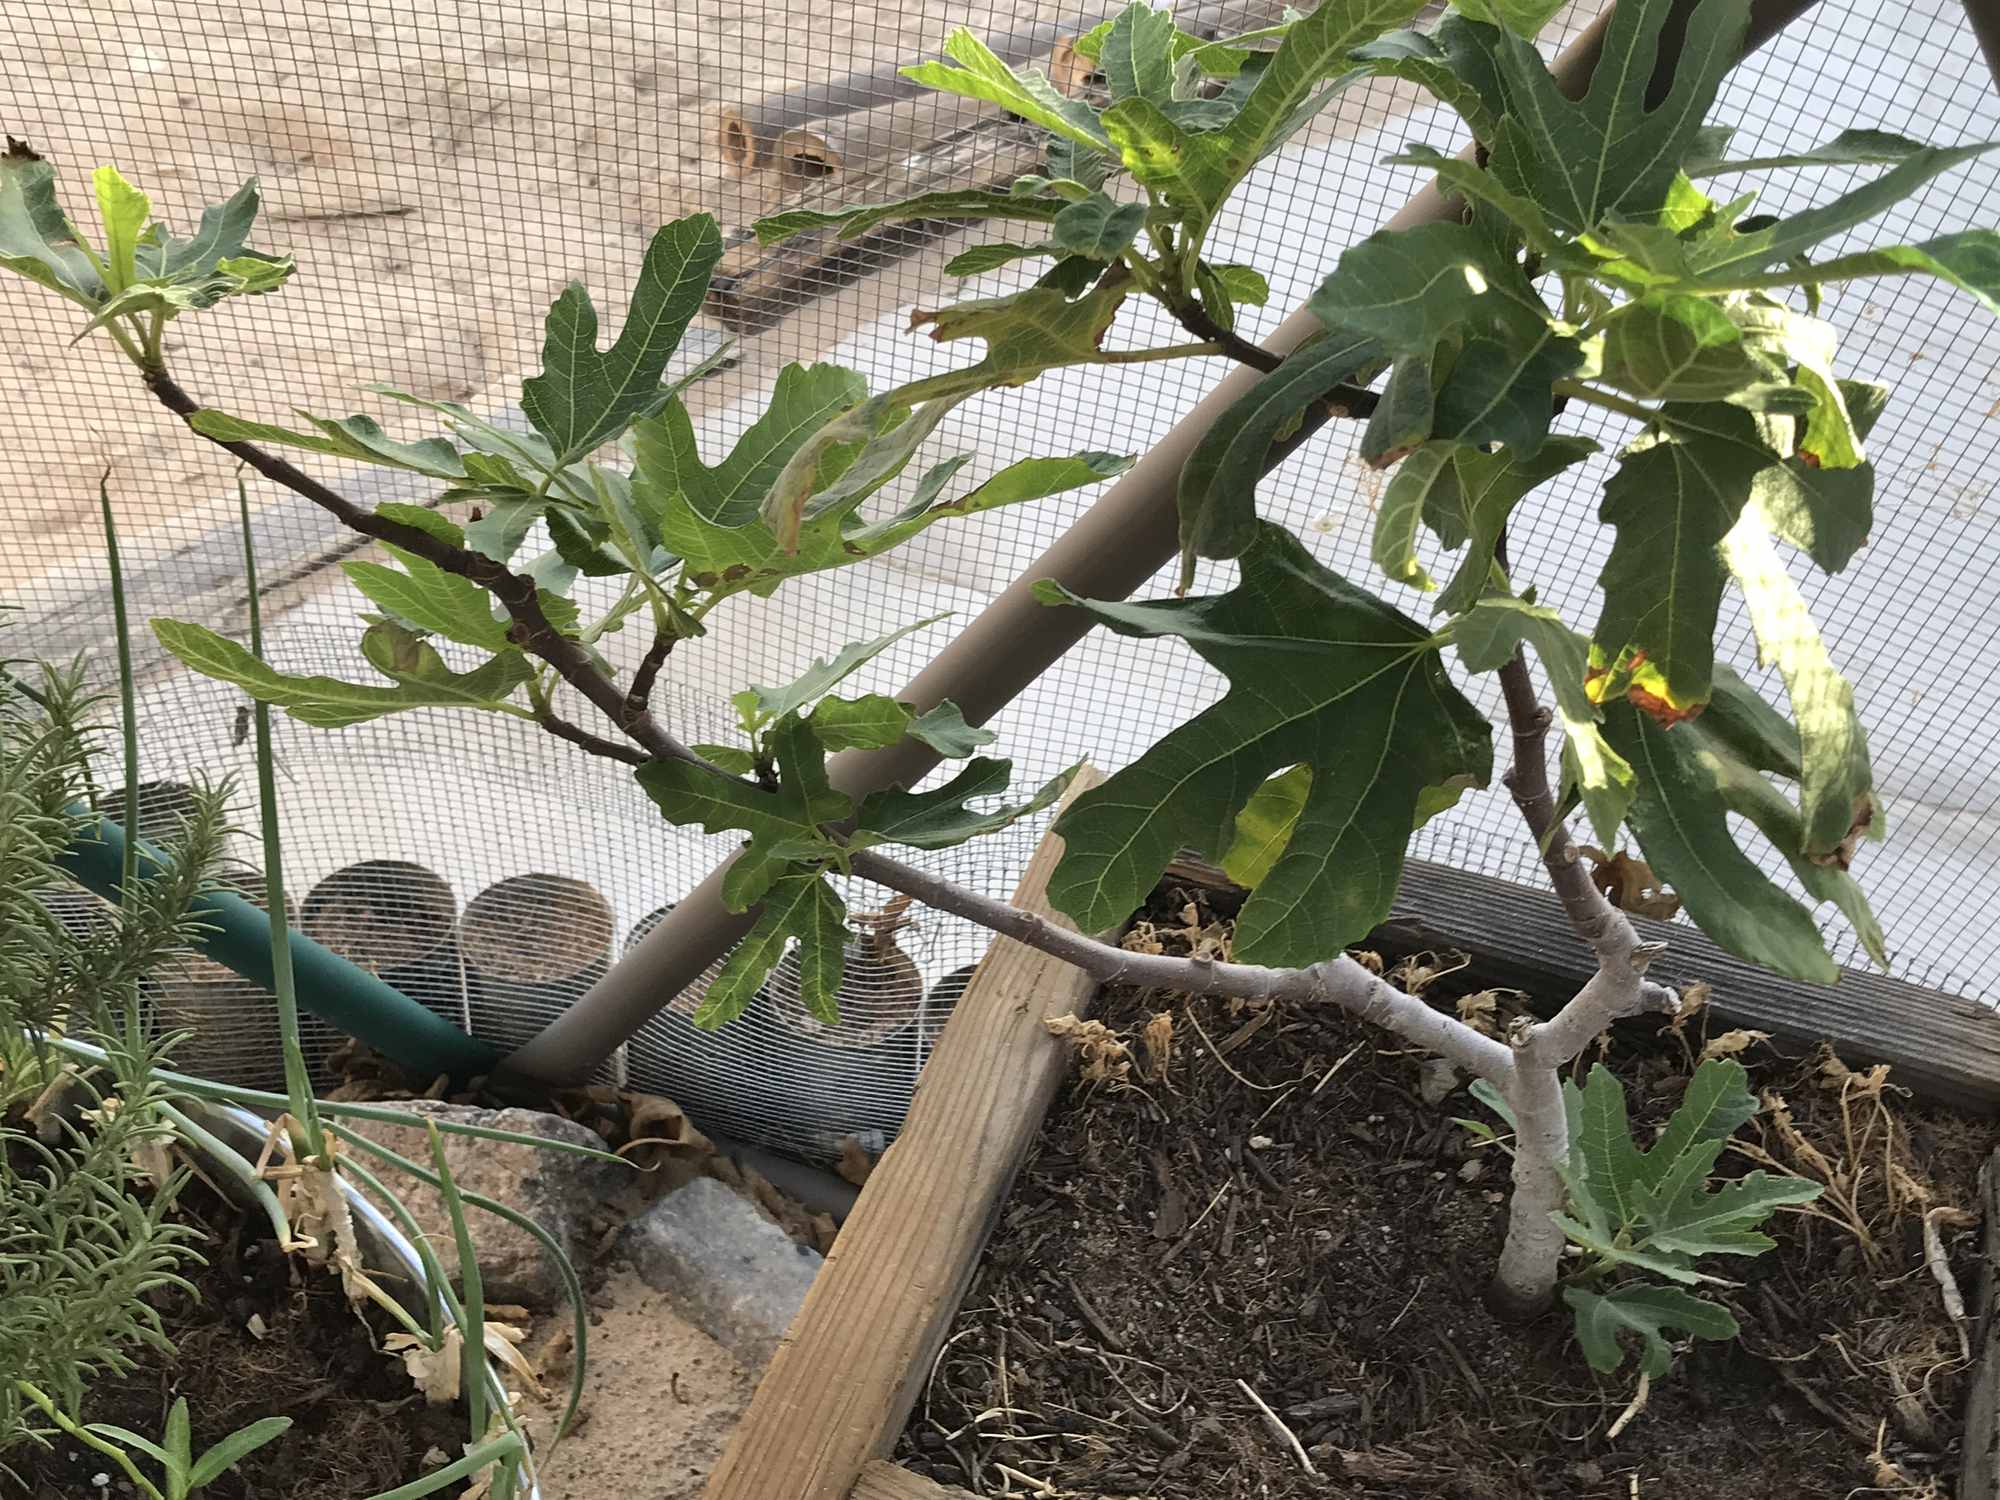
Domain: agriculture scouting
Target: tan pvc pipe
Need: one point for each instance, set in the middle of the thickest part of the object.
(856, 145)
(1114, 548)
(747, 132)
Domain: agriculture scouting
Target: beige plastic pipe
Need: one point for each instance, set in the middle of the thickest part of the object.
(856, 145)
(1114, 548)
(746, 133)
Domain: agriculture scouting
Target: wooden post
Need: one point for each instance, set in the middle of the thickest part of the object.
(854, 1359)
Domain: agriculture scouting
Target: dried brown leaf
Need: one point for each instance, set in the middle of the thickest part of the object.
(1102, 1056)
(1159, 1039)
(1730, 1043)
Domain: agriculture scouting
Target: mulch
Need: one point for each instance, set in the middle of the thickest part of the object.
(1263, 1207)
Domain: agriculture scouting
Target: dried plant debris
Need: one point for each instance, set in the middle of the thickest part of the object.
(1310, 1237)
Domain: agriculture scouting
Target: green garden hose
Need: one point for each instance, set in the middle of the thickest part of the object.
(238, 936)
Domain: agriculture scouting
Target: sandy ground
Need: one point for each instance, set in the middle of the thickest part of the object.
(660, 1400)
(439, 169)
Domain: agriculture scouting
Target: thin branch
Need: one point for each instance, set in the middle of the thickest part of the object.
(1338, 981)
(640, 695)
(1195, 319)
(562, 729)
(518, 594)
(1344, 400)
(1618, 989)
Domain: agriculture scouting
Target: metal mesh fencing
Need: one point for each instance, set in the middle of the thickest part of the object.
(440, 169)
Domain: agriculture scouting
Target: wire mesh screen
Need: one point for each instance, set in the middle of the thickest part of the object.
(440, 169)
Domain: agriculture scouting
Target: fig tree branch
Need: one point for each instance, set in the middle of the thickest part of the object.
(1338, 981)
(518, 594)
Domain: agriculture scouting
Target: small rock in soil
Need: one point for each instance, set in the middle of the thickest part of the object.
(559, 1190)
(733, 1273)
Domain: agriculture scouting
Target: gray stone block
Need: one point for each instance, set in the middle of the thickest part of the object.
(735, 1275)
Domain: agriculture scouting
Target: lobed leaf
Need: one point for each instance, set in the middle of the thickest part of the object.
(939, 818)
(1969, 259)
(1470, 505)
(1774, 815)
(798, 906)
(1501, 390)
(1410, 288)
(1849, 148)
(1456, 63)
(1405, 415)
(1098, 227)
(1321, 674)
(1648, 1311)
(1218, 484)
(1836, 780)
(1670, 346)
(584, 397)
(1582, 161)
(778, 822)
(1402, 510)
(981, 74)
(359, 438)
(765, 704)
(952, 205)
(1682, 825)
(1673, 500)
(421, 678)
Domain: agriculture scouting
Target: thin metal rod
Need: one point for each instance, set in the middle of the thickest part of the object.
(1112, 550)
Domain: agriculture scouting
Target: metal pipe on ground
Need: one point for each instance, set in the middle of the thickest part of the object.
(1113, 549)
(746, 133)
(399, 921)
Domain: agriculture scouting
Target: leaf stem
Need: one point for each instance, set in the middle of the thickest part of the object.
(1146, 356)
(298, 1082)
(89, 1439)
(1579, 391)
(127, 695)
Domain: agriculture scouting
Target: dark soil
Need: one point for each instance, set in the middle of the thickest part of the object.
(1292, 1216)
(358, 1427)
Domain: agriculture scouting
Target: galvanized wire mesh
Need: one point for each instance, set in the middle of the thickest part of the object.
(440, 169)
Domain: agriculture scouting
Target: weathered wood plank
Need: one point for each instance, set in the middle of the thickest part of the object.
(1979, 1479)
(854, 1359)
(884, 1481)
(1945, 1047)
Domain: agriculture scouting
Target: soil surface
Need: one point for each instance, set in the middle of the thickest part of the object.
(1265, 1202)
(259, 1341)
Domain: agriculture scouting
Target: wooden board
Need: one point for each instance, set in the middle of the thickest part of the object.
(1945, 1047)
(884, 1481)
(856, 1357)
(1979, 1479)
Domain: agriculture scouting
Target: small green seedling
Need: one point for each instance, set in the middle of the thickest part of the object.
(186, 1474)
(1638, 1215)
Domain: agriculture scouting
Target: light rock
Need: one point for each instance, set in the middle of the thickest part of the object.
(559, 1190)
(731, 1271)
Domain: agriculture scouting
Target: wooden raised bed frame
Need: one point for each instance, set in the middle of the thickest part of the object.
(829, 1410)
